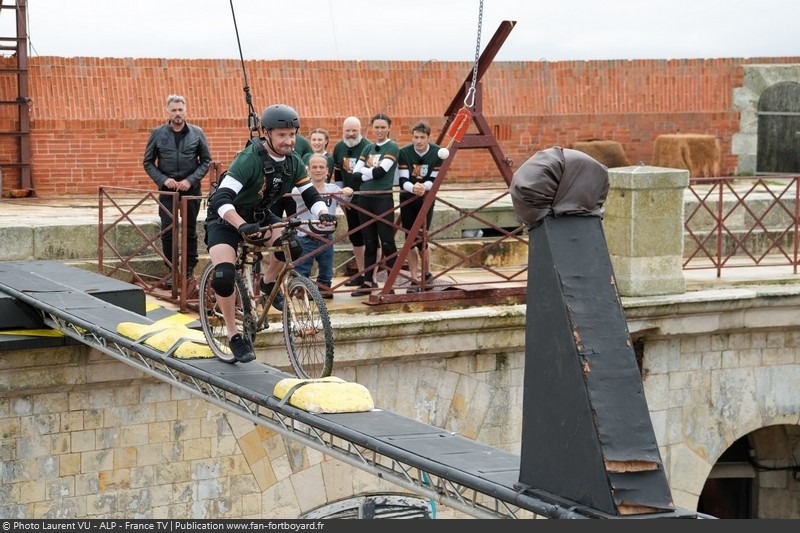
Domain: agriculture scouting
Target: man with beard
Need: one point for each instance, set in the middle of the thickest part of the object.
(177, 158)
(345, 156)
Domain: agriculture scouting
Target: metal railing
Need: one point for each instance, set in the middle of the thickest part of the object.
(463, 269)
(127, 250)
(468, 269)
(734, 222)
(729, 222)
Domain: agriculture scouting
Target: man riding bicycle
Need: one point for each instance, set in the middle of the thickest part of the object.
(263, 172)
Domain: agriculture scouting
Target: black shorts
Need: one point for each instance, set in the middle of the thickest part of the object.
(220, 232)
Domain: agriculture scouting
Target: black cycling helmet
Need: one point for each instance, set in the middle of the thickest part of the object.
(279, 116)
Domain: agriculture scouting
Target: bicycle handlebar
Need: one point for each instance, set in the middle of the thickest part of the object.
(316, 226)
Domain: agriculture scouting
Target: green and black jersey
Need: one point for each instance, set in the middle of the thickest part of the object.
(257, 192)
(302, 146)
(344, 160)
(372, 156)
(414, 168)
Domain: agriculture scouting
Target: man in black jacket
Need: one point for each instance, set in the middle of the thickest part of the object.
(177, 158)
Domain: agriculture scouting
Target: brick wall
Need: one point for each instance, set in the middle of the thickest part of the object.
(91, 116)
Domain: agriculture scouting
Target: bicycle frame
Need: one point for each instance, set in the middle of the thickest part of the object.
(306, 324)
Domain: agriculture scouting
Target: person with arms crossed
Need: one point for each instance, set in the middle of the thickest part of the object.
(241, 205)
(345, 156)
(318, 172)
(376, 167)
(417, 169)
(177, 158)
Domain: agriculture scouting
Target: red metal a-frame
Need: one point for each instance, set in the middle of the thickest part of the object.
(484, 138)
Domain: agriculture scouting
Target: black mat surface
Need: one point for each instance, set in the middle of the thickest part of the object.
(43, 277)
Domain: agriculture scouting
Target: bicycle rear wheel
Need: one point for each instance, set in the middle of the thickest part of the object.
(211, 315)
(307, 329)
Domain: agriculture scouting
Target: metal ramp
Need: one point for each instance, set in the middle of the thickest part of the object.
(473, 478)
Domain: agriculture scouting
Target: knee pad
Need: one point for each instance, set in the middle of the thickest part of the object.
(224, 279)
(295, 247)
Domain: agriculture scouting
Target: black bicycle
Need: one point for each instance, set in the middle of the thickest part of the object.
(307, 326)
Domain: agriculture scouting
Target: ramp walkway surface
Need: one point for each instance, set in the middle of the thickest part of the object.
(476, 479)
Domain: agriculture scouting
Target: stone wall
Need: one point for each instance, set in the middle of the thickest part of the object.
(85, 436)
(719, 368)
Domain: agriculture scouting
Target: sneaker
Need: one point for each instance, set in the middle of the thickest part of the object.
(241, 349)
(355, 282)
(412, 290)
(325, 290)
(365, 289)
(266, 290)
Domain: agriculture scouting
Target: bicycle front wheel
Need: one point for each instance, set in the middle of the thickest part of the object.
(307, 329)
(211, 318)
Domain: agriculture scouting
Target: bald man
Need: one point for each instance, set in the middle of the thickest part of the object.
(345, 157)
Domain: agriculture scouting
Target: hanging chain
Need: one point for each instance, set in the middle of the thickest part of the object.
(469, 99)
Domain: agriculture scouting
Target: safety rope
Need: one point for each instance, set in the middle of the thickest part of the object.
(469, 98)
(253, 120)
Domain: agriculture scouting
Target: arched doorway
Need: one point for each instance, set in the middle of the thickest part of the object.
(758, 476)
(758, 80)
(779, 129)
(728, 492)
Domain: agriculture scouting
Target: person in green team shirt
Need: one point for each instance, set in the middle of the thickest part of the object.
(241, 206)
(417, 168)
(377, 165)
(345, 157)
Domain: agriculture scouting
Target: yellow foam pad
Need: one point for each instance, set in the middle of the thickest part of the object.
(325, 395)
(165, 335)
(32, 332)
(177, 319)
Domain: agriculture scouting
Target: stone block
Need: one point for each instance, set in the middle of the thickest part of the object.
(65, 242)
(16, 243)
(128, 239)
(643, 223)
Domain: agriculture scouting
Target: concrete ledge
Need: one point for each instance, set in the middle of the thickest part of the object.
(374, 338)
(16, 243)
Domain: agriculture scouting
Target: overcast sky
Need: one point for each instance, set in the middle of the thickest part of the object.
(444, 30)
